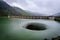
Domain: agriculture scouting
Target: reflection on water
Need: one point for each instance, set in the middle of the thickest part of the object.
(14, 28)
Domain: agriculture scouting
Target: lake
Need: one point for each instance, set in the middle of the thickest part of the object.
(14, 29)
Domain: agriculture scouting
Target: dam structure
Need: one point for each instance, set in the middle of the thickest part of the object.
(35, 17)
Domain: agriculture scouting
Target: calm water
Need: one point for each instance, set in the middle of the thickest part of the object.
(14, 29)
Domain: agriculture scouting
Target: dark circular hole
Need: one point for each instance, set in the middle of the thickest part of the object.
(36, 26)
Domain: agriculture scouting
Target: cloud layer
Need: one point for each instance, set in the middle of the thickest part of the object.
(48, 7)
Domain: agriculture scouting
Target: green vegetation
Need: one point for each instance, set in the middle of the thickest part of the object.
(57, 19)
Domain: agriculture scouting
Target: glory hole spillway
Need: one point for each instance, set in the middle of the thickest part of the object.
(28, 29)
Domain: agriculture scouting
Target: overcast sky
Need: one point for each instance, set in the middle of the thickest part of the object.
(48, 7)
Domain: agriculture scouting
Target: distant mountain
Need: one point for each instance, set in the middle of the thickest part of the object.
(1, 0)
(25, 12)
(36, 14)
(22, 12)
(57, 14)
(6, 9)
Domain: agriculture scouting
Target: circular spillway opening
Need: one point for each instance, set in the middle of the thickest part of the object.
(36, 26)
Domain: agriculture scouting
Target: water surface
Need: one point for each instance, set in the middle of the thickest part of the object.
(14, 28)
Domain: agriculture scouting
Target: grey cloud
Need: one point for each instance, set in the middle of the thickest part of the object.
(41, 6)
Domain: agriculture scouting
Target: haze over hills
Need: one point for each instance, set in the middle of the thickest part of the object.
(28, 13)
(22, 12)
(6, 10)
(36, 14)
(58, 14)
